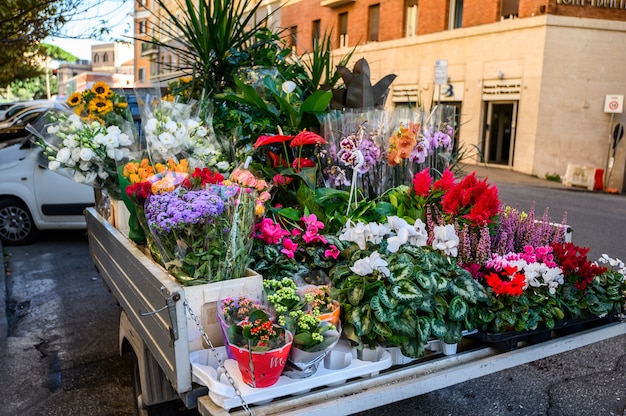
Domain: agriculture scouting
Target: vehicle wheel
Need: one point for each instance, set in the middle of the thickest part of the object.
(162, 409)
(16, 223)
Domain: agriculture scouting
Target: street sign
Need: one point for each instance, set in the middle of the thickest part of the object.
(614, 104)
(441, 72)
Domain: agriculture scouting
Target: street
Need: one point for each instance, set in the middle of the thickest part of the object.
(61, 355)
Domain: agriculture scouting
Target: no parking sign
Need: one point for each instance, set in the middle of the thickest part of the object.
(614, 104)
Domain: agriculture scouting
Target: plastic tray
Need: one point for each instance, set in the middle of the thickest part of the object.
(204, 367)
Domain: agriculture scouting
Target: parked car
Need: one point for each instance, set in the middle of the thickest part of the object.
(18, 106)
(15, 127)
(34, 198)
(4, 107)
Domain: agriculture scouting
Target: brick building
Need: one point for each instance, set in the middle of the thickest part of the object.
(529, 77)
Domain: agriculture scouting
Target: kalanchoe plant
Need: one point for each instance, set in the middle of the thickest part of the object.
(257, 333)
(310, 333)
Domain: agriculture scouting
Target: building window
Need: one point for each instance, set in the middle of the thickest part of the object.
(316, 32)
(373, 19)
(141, 74)
(105, 57)
(456, 14)
(343, 30)
(142, 27)
(509, 9)
(292, 41)
(410, 23)
(96, 58)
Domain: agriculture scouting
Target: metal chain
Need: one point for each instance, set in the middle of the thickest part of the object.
(220, 363)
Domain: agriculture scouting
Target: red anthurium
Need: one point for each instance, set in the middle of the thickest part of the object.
(306, 137)
(302, 162)
(277, 138)
(277, 160)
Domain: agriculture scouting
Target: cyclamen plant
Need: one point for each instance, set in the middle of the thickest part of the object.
(280, 252)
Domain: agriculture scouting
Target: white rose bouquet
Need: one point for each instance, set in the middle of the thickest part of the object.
(90, 149)
(174, 129)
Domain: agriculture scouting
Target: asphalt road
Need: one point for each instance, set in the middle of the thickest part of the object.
(61, 356)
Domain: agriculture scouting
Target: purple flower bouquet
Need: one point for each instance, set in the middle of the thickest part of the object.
(204, 236)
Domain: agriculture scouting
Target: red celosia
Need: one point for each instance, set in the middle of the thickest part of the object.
(445, 182)
(472, 199)
(277, 138)
(422, 182)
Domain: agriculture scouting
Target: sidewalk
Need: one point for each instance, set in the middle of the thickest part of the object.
(504, 175)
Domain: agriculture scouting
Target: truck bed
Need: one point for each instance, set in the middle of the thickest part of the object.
(141, 286)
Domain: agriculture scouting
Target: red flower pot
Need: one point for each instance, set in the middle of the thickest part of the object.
(262, 369)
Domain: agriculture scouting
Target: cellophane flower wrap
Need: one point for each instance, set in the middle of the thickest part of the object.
(376, 150)
(182, 131)
(205, 235)
(90, 141)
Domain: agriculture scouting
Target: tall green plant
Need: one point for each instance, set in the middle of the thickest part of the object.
(214, 39)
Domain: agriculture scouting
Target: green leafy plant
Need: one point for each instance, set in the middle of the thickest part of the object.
(283, 105)
(422, 294)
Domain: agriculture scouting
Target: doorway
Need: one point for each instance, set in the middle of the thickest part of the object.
(499, 128)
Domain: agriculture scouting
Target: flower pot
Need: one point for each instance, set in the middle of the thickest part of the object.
(333, 316)
(370, 354)
(224, 329)
(448, 349)
(302, 364)
(262, 369)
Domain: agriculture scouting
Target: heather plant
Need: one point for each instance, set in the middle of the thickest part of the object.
(516, 230)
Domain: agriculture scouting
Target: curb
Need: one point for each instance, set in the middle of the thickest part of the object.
(4, 324)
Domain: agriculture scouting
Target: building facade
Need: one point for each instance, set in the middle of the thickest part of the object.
(530, 77)
(112, 63)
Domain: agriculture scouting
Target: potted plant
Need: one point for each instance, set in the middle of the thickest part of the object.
(398, 290)
(260, 347)
(313, 338)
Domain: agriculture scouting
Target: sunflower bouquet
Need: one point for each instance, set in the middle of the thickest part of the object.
(100, 103)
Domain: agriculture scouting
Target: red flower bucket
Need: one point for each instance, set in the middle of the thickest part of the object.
(262, 369)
